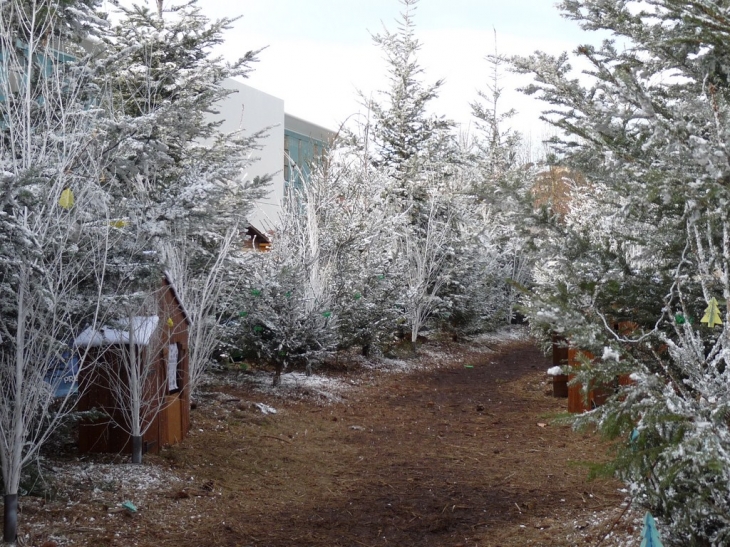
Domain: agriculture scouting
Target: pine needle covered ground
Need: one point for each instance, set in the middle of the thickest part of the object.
(457, 447)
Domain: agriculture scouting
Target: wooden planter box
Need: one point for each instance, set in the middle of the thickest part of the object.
(597, 395)
(625, 380)
(560, 358)
(560, 385)
(560, 351)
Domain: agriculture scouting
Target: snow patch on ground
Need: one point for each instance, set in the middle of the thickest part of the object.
(383, 364)
(299, 385)
(508, 333)
(618, 529)
(124, 478)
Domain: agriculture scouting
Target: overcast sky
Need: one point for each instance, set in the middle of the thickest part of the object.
(319, 53)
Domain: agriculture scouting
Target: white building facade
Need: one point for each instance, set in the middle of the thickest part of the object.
(285, 153)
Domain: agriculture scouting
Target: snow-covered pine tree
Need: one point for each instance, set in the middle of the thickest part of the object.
(495, 225)
(404, 136)
(54, 232)
(416, 150)
(287, 307)
(647, 245)
(476, 296)
(497, 151)
(363, 240)
(172, 164)
(182, 195)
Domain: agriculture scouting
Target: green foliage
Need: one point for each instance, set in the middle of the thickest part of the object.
(644, 246)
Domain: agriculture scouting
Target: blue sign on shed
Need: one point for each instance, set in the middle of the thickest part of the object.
(63, 373)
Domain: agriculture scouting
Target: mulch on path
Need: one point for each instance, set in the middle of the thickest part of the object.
(465, 451)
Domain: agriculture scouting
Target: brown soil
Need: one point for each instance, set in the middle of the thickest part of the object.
(446, 456)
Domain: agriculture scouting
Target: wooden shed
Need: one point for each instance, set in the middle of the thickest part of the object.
(160, 346)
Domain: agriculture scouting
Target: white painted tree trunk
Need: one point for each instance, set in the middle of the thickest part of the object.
(426, 265)
(134, 374)
(51, 253)
(202, 294)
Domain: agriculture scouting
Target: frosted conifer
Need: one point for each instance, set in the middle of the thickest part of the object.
(646, 244)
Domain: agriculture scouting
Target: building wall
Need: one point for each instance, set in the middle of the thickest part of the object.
(304, 145)
(251, 110)
(287, 152)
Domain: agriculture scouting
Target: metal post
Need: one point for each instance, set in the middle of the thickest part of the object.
(10, 514)
(136, 449)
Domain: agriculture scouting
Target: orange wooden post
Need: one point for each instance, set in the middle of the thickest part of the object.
(576, 401)
(560, 358)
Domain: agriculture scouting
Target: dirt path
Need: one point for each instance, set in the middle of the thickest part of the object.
(463, 453)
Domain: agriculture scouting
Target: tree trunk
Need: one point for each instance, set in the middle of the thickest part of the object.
(136, 448)
(10, 518)
(277, 375)
(414, 347)
(414, 339)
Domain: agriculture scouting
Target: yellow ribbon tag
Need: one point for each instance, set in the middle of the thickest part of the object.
(67, 199)
(170, 322)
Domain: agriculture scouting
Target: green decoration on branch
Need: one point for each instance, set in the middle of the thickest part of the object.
(358, 296)
(326, 314)
(679, 319)
(258, 328)
(242, 313)
(255, 292)
(633, 439)
(288, 294)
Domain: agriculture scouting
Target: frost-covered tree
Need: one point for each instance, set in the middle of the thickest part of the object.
(646, 247)
(135, 339)
(205, 290)
(501, 175)
(362, 238)
(415, 151)
(402, 137)
(54, 224)
(477, 294)
(172, 165)
(180, 181)
(287, 305)
(428, 255)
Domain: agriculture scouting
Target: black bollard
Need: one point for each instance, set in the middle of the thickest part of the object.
(10, 530)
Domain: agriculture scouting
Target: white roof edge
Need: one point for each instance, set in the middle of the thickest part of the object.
(143, 327)
(231, 83)
(304, 127)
